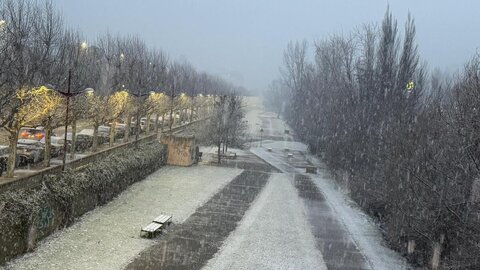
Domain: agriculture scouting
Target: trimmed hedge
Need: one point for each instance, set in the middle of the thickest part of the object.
(29, 215)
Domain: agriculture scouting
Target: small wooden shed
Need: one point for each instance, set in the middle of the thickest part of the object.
(181, 149)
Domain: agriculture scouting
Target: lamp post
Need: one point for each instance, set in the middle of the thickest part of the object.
(68, 95)
(261, 136)
(172, 97)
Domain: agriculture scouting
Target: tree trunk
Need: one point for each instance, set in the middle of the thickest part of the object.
(127, 128)
(74, 139)
(156, 123)
(171, 119)
(12, 155)
(163, 120)
(218, 151)
(112, 133)
(48, 143)
(147, 124)
(191, 114)
(95, 138)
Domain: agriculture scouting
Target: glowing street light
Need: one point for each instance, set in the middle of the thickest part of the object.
(84, 45)
(410, 86)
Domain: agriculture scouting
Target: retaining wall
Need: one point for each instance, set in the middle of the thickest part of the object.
(53, 201)
(34, 206)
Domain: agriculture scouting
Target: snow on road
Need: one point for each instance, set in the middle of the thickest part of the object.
(361, 227)
(274, 234)
(108, 237)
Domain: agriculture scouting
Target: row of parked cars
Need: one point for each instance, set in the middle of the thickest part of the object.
(31, 143)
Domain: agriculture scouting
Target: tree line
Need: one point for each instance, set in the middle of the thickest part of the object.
(403, 141)
(115, 77)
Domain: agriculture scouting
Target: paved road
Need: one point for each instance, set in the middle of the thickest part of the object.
(345, 237)
(274, 234)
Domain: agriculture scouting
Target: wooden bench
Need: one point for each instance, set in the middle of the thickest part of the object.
(163, 219)
(311, 169)
(151, 229)
(228, 155)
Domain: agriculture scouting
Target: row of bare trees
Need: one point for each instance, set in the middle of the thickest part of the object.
(40, 56)
(405, 145)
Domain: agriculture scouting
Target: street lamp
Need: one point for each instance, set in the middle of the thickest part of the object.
(68, 95)
(172, 97)
(84, 45)
(261, 136)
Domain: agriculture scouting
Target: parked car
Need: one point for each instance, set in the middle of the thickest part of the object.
(3, 163)
(57, 144)
(31, 133)
(133, 128)
(3, 150)
(120, 130)
(87, 138)
(83, 141)
(104, 131)
(29, 151)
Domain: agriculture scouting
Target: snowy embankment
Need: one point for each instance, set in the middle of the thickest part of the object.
(108, 237)
(361, 227)
(274, 234)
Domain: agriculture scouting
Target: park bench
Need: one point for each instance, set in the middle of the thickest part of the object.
(269, 149)
(151, 229)
(290, 155)
(229, 155)
(311, 169)
(163, 219)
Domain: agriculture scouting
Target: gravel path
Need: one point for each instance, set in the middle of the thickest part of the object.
(264, 238)
(108, 237)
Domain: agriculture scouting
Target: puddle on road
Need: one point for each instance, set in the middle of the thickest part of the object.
(334, 242)
(191, 244)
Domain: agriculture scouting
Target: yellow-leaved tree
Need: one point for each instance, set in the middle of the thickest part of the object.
(116, 104)
(36, 104)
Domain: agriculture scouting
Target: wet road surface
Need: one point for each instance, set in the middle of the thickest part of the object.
(334, 242)
(274, 234)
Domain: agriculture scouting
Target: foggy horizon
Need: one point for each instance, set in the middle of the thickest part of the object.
(244, 42)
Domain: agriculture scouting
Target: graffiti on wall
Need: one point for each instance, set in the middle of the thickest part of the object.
(45, 217)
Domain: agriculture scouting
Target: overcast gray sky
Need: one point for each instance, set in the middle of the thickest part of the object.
(243, 41)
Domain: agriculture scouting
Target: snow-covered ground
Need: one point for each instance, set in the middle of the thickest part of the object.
(290, 145)
(360, 226)
(108, 237)
(253, 108)
(214, 149)
(264, 240)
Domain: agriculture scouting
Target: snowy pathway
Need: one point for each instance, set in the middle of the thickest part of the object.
(359, 226)
(274, 234)
(108, 237)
